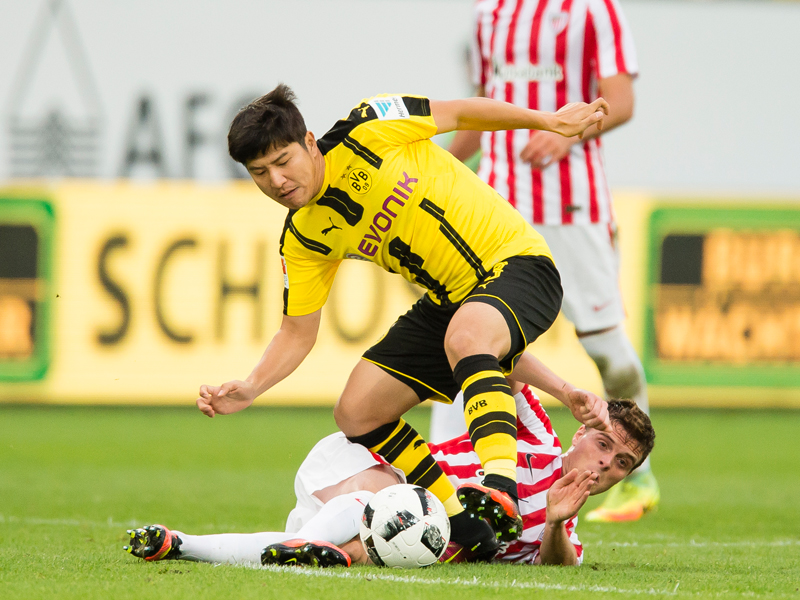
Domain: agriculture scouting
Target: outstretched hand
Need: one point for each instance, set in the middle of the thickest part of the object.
(589, 409)
(568, 494)
(575, 118)
(225, 399)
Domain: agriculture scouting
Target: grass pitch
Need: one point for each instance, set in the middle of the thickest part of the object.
(72, 480)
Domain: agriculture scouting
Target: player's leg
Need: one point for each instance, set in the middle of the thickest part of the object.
(229, 548)
(321, 542)
(369, 412)
(518, 302)
(589, 260)
(156, 542)
(339, 519)
(407, 366)
(371, 398)
(477, 338)
(332, 486)
(336, 523)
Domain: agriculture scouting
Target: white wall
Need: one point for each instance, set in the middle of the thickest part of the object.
(716, 96)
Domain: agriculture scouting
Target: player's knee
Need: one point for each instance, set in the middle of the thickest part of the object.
(618, 363)
(461, 343)
(345, 417)
(626, 382)
(354, 417)
(621, 378)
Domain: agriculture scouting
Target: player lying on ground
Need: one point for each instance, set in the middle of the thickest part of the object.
(376, 188)
(338, 478)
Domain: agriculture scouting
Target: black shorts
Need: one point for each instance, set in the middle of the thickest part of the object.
(525, 289)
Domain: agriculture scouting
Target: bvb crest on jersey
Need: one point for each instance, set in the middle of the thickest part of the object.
(359, 181)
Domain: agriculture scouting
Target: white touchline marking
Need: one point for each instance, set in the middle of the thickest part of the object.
(69, 522)
(475, 582)
(110, 522)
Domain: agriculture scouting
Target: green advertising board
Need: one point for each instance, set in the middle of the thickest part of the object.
(26, 248)
(722, 303)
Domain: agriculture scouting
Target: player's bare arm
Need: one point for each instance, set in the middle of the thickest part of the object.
(586, 407)
(618, 91)
(564, 499)
(287, 350)
(484, 114)
(545, 148)
(465, 143)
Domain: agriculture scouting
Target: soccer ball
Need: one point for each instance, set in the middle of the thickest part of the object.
(405, 526)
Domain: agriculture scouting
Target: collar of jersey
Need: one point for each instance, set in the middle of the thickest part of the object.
(325, 182)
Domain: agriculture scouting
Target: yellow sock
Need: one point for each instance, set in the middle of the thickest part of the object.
(405, 449)
(491, 414)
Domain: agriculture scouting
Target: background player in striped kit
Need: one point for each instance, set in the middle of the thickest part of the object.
(338, 478)
(544, 54)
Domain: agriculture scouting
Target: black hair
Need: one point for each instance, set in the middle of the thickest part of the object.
(271, 121)
(636, 423)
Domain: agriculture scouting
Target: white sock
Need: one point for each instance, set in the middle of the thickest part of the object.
(230, 548)
(447, 420)
(620, 369)
(337, 522)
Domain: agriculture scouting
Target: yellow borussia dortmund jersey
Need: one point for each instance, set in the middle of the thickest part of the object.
(393, 197)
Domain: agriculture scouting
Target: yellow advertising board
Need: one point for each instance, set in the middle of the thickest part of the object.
(139, 293)
(156, 289)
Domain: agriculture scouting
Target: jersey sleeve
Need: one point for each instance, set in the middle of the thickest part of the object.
(573, 538)
(533, 424)
(615, 50)
(307, 283)
(394, 120)
(527, 553)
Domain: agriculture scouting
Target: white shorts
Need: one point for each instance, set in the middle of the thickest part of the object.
(587, 257)
(332, 460)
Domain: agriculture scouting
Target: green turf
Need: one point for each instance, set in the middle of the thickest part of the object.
(73, 479)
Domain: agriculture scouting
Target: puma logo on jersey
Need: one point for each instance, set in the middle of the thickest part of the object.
(327, 230)
(496, 271)
(382, 222)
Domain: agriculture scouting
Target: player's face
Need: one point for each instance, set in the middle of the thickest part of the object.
(609, 454)
(291, 175)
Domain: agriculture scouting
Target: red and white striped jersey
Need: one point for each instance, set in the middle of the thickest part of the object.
(543, 54)
(538, 468)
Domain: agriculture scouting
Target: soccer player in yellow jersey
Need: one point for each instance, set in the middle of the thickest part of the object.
(376, 188)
